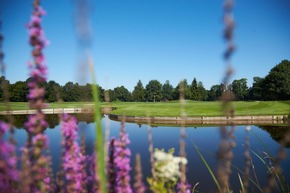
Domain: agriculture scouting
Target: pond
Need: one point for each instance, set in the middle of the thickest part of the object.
(207, 138)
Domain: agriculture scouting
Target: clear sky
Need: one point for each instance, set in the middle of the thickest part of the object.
(151, 39)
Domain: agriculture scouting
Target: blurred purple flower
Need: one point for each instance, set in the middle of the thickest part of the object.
(3, 128)
(186, 189)
(40, 140)
(36, 123)
(73, 159)
(9, 175)
(92, 170)
(38, 68)
(41, 11)
(119, 163)
(35, 160)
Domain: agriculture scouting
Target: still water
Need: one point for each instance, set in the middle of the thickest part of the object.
(207, 139)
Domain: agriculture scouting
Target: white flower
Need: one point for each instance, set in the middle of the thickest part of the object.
(167, 165)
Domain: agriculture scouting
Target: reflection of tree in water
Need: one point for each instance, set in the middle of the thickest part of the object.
(52, 119)
(18, 120)
(277, 133)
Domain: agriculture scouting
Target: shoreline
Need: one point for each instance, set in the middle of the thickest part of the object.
(204, 120)
(105, 110)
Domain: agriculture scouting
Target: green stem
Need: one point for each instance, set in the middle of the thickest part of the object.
(99, 145)
(208, 168)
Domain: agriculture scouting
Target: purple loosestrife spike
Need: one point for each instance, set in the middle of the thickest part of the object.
(73, 160)
(122, 162)
(8, 173)
(38, 67)
(180, 188)
(139, 186)
(91, 179)
(35, 162)
(111, 167)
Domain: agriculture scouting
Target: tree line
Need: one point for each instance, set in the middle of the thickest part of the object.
(274, 86)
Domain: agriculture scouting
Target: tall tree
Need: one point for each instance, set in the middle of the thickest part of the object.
(194, 95)
(215, 92)
(71, 92)
(18, 92)
(138, 93)
(277, 82)
(167, 91)
(202, 93)
(256, 91)
(3, 83)
(112, 95)
(53, 91)
(87, 93)
(122, 94)
(186, 89)
(240, 89)
(153, 91)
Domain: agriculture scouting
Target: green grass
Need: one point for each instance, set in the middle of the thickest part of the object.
(172, 109)
(24, 105)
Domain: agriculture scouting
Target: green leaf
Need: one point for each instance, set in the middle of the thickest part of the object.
(100, 152)
(208, 168)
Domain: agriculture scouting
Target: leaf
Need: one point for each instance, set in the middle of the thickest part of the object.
(100, 151)
(208, 168)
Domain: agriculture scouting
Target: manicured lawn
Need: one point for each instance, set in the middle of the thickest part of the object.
(201, 108)
(24, 106)
(172, 109)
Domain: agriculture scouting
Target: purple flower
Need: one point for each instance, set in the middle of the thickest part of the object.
(36, 162)
(181, 189)
(119, 163)
(92, 170)
(73, 159)
(3, 128)
(36, 123)
(41, 11)
(8, 173)
(40, 140)
(38, 67)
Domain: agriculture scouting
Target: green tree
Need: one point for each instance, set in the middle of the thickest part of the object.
(215, 92)
(240, 89)
(256, 91)
(167, 90)
(202, 92)
(3, 84)
(153, 91)
(70, 92)
(53, 91)
(87, 93)
(194, 95)
(112, 95)
(138, 93)
(18, 92)
(122, 94)
(277, 82)
(182, 84)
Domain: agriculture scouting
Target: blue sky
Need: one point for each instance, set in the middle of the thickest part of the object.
(151, 39)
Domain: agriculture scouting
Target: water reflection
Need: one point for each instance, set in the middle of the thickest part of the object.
(166, 137)
(278, 133)
(52, 119)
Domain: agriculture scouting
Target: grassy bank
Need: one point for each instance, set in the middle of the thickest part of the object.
(24, 105)
(201, 108)
(172, 109)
